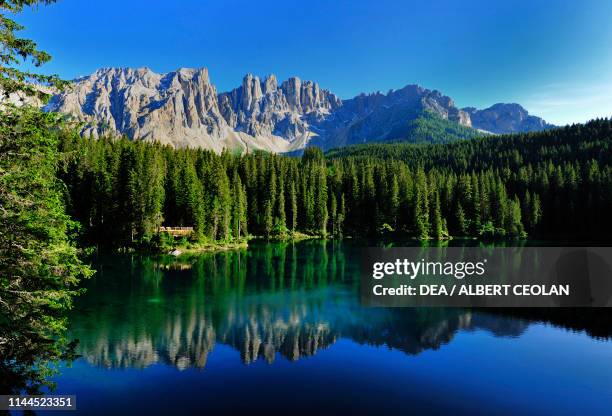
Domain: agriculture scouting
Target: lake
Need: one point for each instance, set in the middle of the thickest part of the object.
(278, 328)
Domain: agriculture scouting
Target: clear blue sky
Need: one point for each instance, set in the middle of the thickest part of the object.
(552, 56)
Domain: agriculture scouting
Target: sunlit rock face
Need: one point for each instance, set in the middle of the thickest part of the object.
(184, 109)
(506, 118)
(179, 108)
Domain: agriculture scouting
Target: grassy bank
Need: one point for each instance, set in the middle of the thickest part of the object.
(166, 245)
(201, 247)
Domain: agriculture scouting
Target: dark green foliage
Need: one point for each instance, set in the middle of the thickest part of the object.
(555, 184)
(39, 265)
(428, 127)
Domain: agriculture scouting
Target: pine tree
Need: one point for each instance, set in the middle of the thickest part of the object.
(514, 225)
(294, 207)
(499, 205)
(334, 214)
(308, 195)
(225, 201)
(281, 216)
(239, 209)
(40, 267)
(437, 225)
(394, 202)
(270, 201)
(321, 213)
(535, 212)
(421, 204)
(473, 185)
(268, 219)
(192, 199)
(461, 220)
(369, 203)
(341, 216)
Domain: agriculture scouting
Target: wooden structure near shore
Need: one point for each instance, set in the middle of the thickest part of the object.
(176, 231)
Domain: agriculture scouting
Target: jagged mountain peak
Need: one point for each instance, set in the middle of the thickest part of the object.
(267, 108)
(183, 108)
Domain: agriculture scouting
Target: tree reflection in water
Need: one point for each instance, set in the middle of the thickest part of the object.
(281, 299)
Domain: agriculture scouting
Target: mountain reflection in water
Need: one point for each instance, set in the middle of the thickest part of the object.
(281, 299)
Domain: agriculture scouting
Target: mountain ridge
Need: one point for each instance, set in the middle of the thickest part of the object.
(182, 108)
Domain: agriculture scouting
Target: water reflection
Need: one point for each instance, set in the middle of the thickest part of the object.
(287, 300)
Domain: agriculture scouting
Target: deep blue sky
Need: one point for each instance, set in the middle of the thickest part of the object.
(552, 56)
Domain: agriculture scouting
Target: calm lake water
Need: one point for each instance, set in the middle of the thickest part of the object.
(278, 328)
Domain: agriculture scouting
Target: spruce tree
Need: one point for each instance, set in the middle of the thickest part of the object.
(421, 206)
(394, 202)
(294, 207)
(333, 214)
(461, 220)
(321, 213)
(281, 216)
(239, 208)
(437, 225)
(40, 267)
(341, 216)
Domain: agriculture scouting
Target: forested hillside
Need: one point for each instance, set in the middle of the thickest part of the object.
(556, 183)
(427, 127)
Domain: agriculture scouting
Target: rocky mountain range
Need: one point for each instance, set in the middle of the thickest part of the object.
(183, 108)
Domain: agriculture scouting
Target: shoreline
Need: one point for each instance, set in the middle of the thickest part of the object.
(211, 247)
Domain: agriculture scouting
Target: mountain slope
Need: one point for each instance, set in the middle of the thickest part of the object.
(428, 127)
(179, 108)
(184, 109)
(506, 118)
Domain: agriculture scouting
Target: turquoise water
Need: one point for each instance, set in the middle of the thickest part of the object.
(278, 328)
